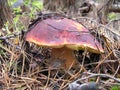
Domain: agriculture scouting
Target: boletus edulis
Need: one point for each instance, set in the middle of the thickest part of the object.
(64, 36)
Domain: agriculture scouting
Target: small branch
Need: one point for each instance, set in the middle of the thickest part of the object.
(5, 39)
(10, 36)
(91, 75)
(17, 47)
(106, 61)
(83, 8)
(104, 30)
(96, 75)
(114, 8)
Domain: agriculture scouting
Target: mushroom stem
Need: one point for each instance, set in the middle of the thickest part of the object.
(65, 55)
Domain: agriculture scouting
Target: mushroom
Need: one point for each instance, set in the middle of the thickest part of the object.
(64, 36)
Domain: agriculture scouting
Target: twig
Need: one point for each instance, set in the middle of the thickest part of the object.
(118, 68)
(106, 28)
(106, 61)
(83, 8)
(96, 75)
(5, 39)
(114, 8)
(10, 36)
(17, 47)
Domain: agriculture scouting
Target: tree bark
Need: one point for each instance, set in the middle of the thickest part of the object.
(5, 12)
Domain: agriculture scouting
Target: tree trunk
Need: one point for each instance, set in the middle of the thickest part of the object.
(5, 12)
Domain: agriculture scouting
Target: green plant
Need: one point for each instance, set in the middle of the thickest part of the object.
(115, 88)
(112, 16)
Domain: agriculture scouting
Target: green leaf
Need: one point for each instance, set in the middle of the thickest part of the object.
(37, 4)
(112, 16)
(1, 52)
(115, 88)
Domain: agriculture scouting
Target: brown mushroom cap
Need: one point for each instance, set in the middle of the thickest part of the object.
(59, 32)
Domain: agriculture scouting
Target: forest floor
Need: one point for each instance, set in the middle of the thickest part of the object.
(25, 66)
